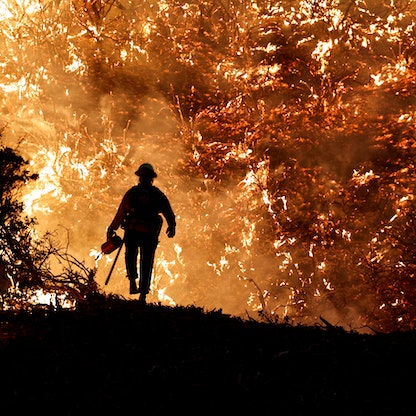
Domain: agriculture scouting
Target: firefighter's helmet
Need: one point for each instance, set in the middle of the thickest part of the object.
(146, 169)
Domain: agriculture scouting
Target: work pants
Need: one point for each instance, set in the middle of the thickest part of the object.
(147, 243)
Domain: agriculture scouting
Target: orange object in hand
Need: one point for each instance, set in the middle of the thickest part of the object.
(111, 244)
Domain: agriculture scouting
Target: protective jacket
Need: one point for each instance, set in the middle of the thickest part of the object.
(140, 209)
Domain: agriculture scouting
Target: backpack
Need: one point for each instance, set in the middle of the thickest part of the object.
(144, 210)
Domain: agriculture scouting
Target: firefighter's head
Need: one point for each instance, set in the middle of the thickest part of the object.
(146, 172)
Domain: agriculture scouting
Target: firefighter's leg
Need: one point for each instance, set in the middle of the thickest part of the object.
(132, 249)
(147, 257)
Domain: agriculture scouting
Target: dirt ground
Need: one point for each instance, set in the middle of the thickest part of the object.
(116, 357)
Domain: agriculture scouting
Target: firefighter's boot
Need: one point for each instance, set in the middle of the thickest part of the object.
(133, 287)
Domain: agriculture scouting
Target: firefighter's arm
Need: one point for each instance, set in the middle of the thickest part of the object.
(121, 212)
(170, 218)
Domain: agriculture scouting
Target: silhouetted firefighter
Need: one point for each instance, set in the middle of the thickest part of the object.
(138, 214)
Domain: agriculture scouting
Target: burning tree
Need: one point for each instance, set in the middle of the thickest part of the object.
(32, 267)
(17, 256)
(283, 132)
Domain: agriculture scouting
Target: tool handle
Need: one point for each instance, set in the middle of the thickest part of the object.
(114, 263)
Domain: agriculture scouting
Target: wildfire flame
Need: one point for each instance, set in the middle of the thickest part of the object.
(229, 102)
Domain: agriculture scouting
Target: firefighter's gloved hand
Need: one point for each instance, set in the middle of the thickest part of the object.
(171, 231)
(110, 233)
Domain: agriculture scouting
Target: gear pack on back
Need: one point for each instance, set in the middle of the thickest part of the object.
(144, 210)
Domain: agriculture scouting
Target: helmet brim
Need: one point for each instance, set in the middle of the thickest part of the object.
(145, 172)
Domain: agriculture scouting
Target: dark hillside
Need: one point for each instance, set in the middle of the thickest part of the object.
(116, 357)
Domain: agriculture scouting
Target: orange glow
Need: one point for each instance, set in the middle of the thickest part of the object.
(273, 129)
